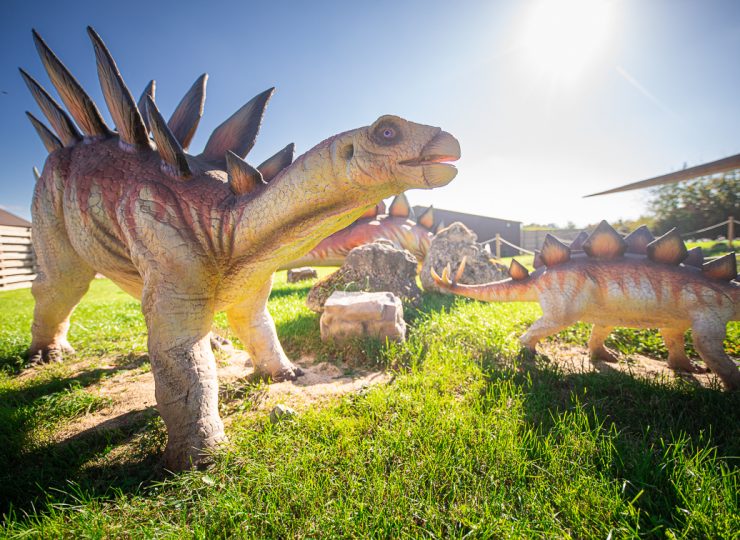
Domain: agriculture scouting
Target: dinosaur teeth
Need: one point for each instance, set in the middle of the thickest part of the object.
(605, 243)
(243, 178)
(79, 104)
(174, 160)
(724, 268)
(426, 219)
(667, 249)
(400, 207)
(695, 257)
(272, 166)
(60, 122)
(184, 121)
(126, 116)
(577, 243)
(149, 91)
(51, 142)
(638, 240)
(517, 271)
(554, 252)
(239, 132)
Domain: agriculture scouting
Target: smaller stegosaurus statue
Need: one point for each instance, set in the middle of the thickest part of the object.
(634, 281)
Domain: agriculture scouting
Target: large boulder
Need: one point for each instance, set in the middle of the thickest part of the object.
(376, 267)
(450, 246)
(303, 273)
(376, 315)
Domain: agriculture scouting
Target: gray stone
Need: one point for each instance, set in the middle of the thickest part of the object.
(377, 315)
(301, 274)
(281, 412)
(376, 267)
(449, 246)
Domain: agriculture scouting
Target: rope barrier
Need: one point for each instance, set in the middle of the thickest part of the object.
(723, 224)
(521, 249)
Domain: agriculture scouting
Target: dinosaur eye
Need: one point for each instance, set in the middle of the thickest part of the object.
(389, 133)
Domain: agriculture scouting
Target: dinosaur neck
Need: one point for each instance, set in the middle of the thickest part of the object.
(507, 290)
(305, 203)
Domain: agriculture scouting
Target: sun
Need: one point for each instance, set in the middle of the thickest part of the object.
(561, 38)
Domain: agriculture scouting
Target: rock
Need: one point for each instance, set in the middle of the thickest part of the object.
(281, 412)
(376, 267)
(301, 274)
(449, 246)
(363, 314)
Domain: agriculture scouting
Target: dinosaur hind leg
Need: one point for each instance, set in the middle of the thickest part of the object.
(539, 330)
(709, 334)
(677, 358)
(596, 347)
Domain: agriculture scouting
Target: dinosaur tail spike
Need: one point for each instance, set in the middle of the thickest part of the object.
(517, 271)
(51, 142)
(554, 252)
(243, 178)
(722, 268)
(461, 269)
(184, 121)
(272, 166)
(149, 91)
(446, 275)
(60, 122)
(695, 257)
(638, 240)
(239, 132)
(426, 219)
(605, 243)
(667, 249)
(400, 207)
(79, 104)
(577, 243)
(36, 173)
(173, 158)
(121, 105)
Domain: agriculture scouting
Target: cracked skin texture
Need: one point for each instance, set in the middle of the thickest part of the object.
(190, 248)
(630, 291)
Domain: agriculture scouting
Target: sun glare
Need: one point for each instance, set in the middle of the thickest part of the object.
(562, 37)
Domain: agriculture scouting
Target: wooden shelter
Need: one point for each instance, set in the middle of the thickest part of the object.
(17, 260)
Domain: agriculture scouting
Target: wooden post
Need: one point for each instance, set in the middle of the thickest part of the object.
(731, 231)
(498, 246)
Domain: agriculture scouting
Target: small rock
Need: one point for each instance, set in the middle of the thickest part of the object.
(360, 314)
(301, 274)
(279, 412)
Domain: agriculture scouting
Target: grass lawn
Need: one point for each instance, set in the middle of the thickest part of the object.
(466, 440)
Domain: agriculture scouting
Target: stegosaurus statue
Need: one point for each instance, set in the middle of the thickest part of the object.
(397, 225)
(636, 281)
(191, 235)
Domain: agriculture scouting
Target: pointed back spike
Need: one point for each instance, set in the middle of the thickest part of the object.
(722, 268)
(370, 213)
(60, 122)
(577, 243)
(400, 207)
(638, 240)
(517, 271)
(173, 158)
(668, 249)
(537, 262)
(243, 178)
(604, 242)
(51, 142)
(79, 104)
(695, 257)
(149, 91)
(239, 132)
(184, 121)
(272, 166)
(554, 252)
(126, 116)
(380, 208)
(440, 226)
(36, 173)
(426, 219)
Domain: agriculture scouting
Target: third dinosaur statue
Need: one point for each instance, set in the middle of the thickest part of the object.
(193, 235)
(637, 281)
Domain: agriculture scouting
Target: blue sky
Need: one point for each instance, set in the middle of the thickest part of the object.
(659, 89)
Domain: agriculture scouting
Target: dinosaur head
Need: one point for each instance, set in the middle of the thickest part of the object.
(397, 153)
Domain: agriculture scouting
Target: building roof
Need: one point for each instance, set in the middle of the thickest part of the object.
(11, 220)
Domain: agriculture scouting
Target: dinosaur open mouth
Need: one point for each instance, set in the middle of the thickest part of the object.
(434, 159)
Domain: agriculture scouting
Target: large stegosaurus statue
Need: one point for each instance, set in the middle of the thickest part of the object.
(636, 281)
(191, 235)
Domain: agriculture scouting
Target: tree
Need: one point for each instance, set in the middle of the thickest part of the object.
(696, 204)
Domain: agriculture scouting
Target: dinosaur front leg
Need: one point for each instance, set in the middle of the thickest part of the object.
(253, 324)
(709, 335)
(677, 359)
(540, 329)
(185, 378)
(596, 347)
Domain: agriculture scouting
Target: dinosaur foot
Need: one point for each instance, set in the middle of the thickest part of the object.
(685, 364)
(288, 372)
(219, 343)
(48, 355)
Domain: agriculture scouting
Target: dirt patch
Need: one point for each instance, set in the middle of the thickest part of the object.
(575, 359)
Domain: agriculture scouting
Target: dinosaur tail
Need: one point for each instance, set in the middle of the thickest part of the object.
(507, 290)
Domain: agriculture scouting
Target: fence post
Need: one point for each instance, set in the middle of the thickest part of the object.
(731, 231)
(498, 246)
